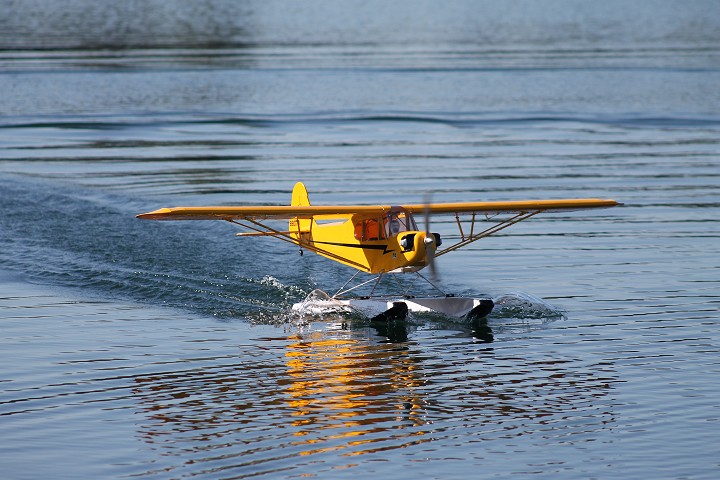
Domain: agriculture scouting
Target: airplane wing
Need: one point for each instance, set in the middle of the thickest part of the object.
(300, 214)
(515, 212)
(518, 206)
(287, 212)
(258, 212)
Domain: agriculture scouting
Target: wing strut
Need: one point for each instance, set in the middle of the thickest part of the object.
(473, 237)
(262, 229)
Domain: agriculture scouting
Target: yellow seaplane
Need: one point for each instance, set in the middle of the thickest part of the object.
(379, 240)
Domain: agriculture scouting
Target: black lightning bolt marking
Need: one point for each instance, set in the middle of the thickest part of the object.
(384, 248)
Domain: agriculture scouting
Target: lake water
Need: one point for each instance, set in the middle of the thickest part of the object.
(135, 349)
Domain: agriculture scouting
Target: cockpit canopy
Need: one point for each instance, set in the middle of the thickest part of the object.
(399, 220)
(396, 221)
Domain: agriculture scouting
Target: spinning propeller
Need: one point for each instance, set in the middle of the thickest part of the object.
(429, 240)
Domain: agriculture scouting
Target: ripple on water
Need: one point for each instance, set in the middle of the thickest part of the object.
(170, 354)
(230, 399)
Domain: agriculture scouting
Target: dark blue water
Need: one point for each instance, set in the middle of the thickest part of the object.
(167, 350)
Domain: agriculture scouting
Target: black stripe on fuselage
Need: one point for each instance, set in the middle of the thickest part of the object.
(384, 248)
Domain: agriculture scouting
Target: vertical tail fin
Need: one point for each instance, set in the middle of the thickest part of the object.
(300, 199)
(300, 196)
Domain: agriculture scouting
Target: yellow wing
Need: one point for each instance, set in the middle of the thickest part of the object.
(287, 212)
(258, 212)
(518, 206)
(306, 230)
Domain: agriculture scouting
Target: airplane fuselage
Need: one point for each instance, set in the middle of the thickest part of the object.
(375, 244)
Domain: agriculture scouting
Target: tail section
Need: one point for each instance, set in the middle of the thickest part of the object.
(300, 196)
(300, 199)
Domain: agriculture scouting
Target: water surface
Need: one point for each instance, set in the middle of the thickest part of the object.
(166, 350)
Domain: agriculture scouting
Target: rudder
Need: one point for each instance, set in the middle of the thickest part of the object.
(300, 198)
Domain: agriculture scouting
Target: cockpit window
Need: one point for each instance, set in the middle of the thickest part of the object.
(399, 221)
(368, 229)
(396, 221)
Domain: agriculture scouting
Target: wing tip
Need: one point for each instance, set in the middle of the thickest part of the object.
(158, 214)
(608, 202)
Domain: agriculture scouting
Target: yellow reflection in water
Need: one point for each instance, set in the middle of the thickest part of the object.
(364, 394)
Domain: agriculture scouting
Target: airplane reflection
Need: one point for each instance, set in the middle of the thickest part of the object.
(357, 389)
(353, 391)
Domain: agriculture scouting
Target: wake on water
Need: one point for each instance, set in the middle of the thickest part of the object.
(516, 314)
(513, 312)
(92, 242)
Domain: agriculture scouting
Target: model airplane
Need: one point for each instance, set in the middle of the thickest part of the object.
(379, 240)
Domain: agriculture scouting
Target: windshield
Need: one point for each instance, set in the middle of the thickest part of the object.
(399, 220)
